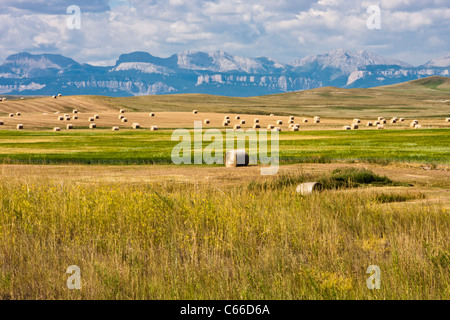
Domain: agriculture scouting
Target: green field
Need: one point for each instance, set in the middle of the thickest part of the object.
(145, 147)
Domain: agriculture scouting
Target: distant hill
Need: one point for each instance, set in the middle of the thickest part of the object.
(428, 98)
(217, 73)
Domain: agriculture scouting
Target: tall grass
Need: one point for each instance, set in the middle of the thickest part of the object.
(186, 241)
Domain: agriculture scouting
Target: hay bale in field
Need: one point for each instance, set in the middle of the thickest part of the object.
(402, 119)
(67, 118)
(121, 116)
(291, 121)
(226, 118)
(242, 122)
(236, 158)
(380, 126)
(354, 126)
(1, 123)
(225, 123)
(447, 119)
(346, 128)
(276, 129)
(272, 115)
(18, 114)
(69, 126)
(317, 120)
(124, 120)
(20, 126)
(279, 122)
(270, 127)
(91, 119)
(376, 123)
(61, 118)
(66, 115)
(295, 128)
(308, 188)
(96, 116)
(416, 121)
(356, 120)
(121, 111)
(237, 117)
(393, 121)
(305, 120)
(380, 118)
(115, 128)
(74, 111)
(256, 126)
(237, 126)
(154, 128)
(152, 114)
(136, 125)
(291, 117)
(54, 97)
(369, 123)
(75, 117)
(417, 126)
(413, 124)
(59, 95)
(11, 115)
(92, 126)
(383, 121)
(56, 129)
(194, 111)
(256, 121)
(206, 121)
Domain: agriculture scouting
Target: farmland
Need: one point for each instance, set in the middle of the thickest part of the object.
(140, 227)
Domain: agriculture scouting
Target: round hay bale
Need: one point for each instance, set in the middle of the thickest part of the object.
(237, 126)
(270, 127)
(418, 126)
(236, 158)
(279, 122)
(124, 120)
(96, 116)
(355, 126)
(74, 111)
(18, 114)
(91, 119)
(291, 118)
(225, 123)
(256, 121)
(194, 111)
(402, 119)
(61, 118)
(305, 120)
(92, 126)
(206, 121)
(447, 119)
(59, 95)
(346, 128)
(67, 118)
(376, 123)
(115, 128)
(413, 124)
(393, 121)
(242, 122)
(256, 126)
(54, 97)
(291, 121)
(11, 115)
(383, 121)
(356, 120)
(369, 124)
(69, 126)
(316, 120)
(135, 126)
(152, 114)
(276, 129)
(308, 188)
(154, 128)
(295, 128)
(56, 129)
(1, 123)
(226, 118)
(380, 118)
(20, 126)
(380, 127)
(121, 116)
(75, 117)
(237, 117)
(121, 111)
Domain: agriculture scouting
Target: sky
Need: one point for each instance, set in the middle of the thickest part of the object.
(411, 31)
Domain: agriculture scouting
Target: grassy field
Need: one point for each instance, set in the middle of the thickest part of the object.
(170, 240)
(145, 147)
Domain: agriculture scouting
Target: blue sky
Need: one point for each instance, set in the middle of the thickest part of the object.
(412, 31)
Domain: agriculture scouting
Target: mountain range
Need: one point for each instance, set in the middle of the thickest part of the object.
(218, 73)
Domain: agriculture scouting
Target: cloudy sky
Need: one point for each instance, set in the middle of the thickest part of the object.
(414, 31)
